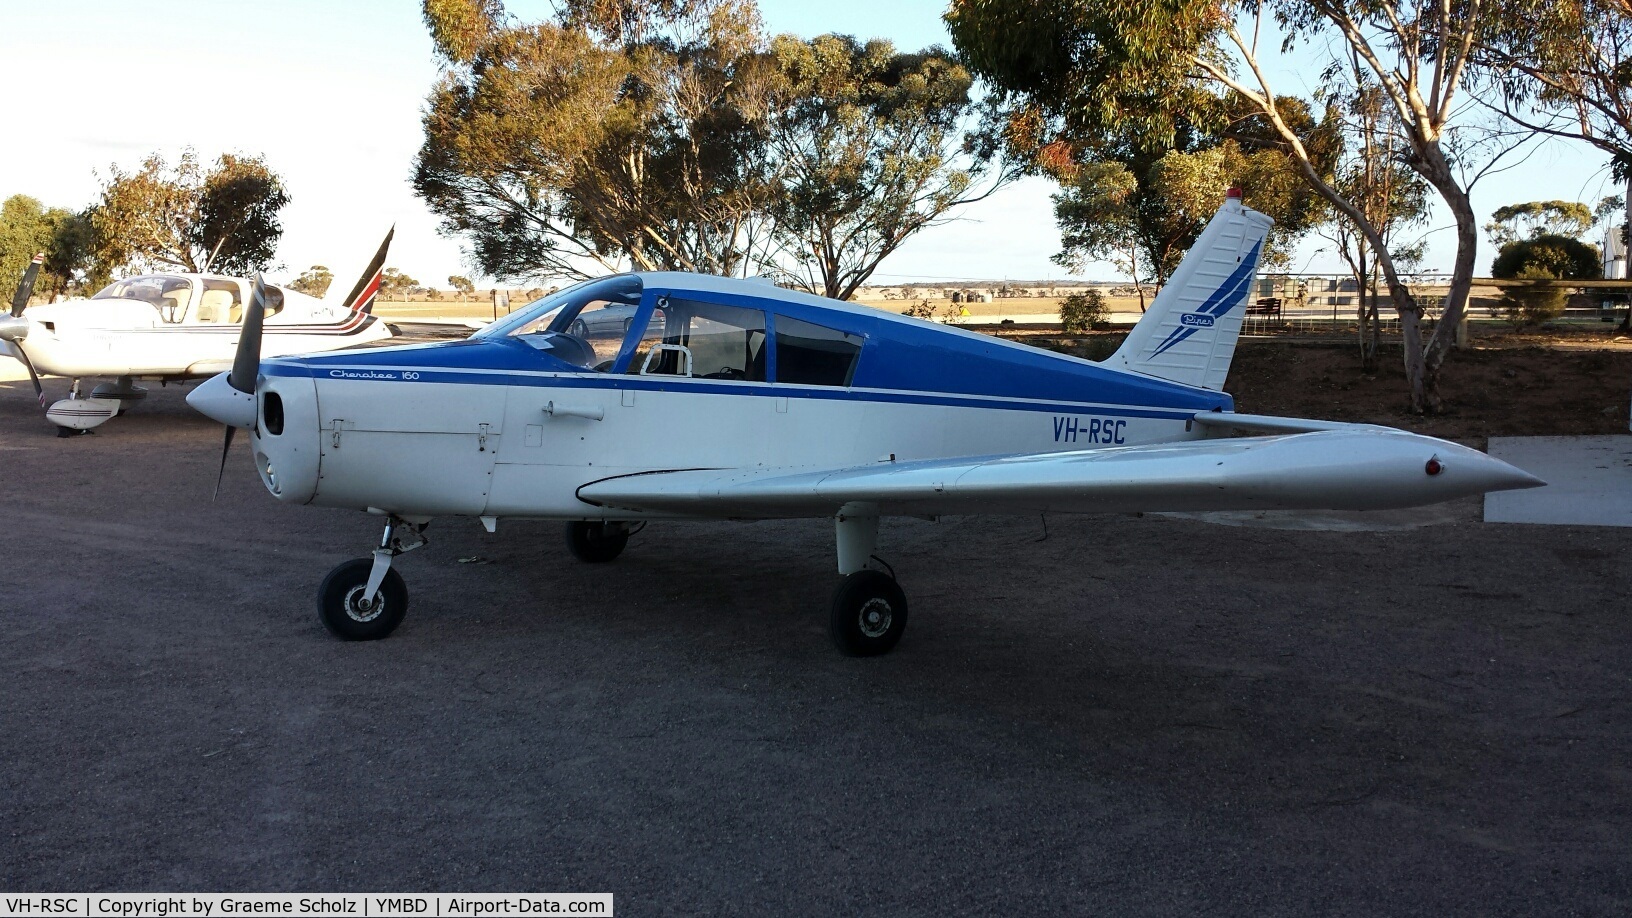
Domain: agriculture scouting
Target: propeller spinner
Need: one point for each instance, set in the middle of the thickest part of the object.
(230, 397)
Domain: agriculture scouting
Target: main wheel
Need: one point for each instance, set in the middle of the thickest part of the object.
(341, 607)
(596, 543)
(869, 614)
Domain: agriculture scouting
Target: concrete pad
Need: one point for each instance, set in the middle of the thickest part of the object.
(1589, 481)
(1458, 511)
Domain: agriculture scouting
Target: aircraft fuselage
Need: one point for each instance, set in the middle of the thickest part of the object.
(416, 439)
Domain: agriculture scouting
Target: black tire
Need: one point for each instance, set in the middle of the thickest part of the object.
(596, 543)
(869, 614)
(579, 330)
(342, 588)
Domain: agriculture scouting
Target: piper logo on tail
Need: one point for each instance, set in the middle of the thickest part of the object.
(1196, 320)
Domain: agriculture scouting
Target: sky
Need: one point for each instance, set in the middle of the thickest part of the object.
(331, 93)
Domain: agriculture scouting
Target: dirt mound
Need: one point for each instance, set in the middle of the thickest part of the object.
(1541, 383)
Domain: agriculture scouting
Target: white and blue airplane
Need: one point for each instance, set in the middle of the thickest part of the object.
(716, 398)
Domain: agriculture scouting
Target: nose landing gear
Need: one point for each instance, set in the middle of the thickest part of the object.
(364, 599)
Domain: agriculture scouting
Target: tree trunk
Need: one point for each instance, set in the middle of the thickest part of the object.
(1366, 312)
(1438, 173)
(1415, 375)
(1374, 347)
(1626, 324)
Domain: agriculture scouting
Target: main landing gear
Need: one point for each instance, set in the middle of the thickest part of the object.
(364, 599)
(869, 610)
(597, 543)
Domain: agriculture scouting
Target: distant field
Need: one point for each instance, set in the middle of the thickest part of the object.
(1035, 308)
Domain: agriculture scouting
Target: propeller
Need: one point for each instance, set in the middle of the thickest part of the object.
(230, 397)
(25, 288)
(14, 328)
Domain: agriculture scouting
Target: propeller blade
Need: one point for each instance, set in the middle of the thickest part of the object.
(25, 287)
(246, 364)
(226, 446)
(39, 390)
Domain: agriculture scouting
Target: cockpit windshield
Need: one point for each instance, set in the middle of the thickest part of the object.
(163, 291)
(583, 325)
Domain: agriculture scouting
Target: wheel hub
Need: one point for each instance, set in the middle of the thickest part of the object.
(876, 616)
(360, 609)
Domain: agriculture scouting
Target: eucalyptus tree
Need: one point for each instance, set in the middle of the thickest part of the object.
(615, 135)
(868, 145)
(28, 227)
(1102, 67)
(185, 217)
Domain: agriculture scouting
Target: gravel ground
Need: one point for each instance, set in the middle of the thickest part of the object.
(1133, 715)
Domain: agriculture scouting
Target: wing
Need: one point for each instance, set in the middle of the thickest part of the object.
(1350, 468)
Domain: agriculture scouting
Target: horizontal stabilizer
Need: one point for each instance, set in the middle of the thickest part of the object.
(1223, 422)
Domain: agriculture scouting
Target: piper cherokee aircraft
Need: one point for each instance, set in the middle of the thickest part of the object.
(171, 327)
(734, 399)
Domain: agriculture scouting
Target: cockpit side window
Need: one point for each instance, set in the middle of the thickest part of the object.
(222, 302)
(722, 342)
(814, 355)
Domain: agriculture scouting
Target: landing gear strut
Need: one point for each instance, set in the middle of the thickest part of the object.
(364, 599)
(869, 611)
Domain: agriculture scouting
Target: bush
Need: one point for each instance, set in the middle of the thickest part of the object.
(1560, 257)
(1533, 305)
(1080, 312)
(921, 311)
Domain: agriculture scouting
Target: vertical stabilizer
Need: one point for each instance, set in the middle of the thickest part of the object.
(1188, 335)
(361, 297)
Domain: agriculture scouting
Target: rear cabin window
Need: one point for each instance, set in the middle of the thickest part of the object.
(813, 355)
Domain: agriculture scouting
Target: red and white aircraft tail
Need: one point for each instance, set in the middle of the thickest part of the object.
(362, 294)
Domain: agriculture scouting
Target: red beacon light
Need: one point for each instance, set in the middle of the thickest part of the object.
(1234, 192)
(1434, 466)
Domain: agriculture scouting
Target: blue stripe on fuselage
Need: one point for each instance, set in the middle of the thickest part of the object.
(578, 379)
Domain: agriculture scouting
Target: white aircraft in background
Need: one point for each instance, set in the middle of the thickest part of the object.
(171, 327)
(734, 399)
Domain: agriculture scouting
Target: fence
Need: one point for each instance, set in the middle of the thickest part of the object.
(1322, 303)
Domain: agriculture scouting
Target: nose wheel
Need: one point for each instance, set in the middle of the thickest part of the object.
(869, 614)
(364, 599)
(348, 612)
